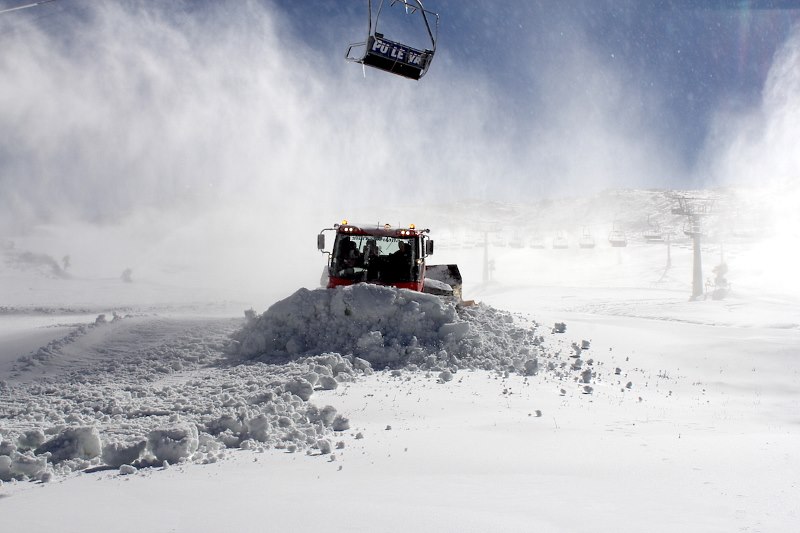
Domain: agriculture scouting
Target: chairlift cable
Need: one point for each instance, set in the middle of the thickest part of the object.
(26, 6)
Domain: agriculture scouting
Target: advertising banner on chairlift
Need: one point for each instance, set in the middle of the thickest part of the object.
(398, 52)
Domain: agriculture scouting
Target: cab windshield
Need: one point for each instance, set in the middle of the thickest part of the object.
(375, 258)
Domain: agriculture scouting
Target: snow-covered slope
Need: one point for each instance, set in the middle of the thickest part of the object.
(143, 390)
(583, 391)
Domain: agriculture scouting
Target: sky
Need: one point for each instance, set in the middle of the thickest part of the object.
(680, 61)
(166, 121)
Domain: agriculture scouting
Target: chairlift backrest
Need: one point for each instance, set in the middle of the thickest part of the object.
(396, 58)
(390, 55)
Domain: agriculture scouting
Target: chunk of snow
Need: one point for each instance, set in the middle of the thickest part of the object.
(31, 439)
(125, 470)
(326, 415)
(299, 387)
(340, 423)
(120, 453)
(73, 443)
(458, 330)
(324, 446)
(22, 466)
(328, 383)
(259, 428)
(171, 445)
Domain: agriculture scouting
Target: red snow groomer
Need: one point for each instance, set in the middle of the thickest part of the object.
(384, 255)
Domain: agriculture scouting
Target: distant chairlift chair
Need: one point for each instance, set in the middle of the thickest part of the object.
(560, 242)
(391, 56)
(617, 238)
(587, 240)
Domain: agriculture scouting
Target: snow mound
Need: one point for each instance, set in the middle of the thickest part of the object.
(378, 324)
(385, 326)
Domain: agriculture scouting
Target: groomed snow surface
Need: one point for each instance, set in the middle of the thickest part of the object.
(593, 408)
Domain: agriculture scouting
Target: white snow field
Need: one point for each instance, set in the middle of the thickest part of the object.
(583, 391)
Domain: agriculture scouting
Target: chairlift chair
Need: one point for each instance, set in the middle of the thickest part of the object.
(587, 240)
(560, 242)
(392, 56)
(653, 233)
(617, 238)
(537, 242)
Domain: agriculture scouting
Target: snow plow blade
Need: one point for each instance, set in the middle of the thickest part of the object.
(443, 280)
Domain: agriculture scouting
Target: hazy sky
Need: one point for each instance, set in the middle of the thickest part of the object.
(160, 100)
(219, 118)
(680, 61)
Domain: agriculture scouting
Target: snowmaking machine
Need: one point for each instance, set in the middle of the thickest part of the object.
(385, 255)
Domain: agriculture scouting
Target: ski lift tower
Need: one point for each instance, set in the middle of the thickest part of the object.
(487, 271)
(694, 209)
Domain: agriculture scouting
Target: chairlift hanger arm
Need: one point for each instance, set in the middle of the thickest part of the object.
(410, 9)
(428, 26)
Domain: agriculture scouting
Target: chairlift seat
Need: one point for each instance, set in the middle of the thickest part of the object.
(653, 236)
(394, 57)
(617, 239)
